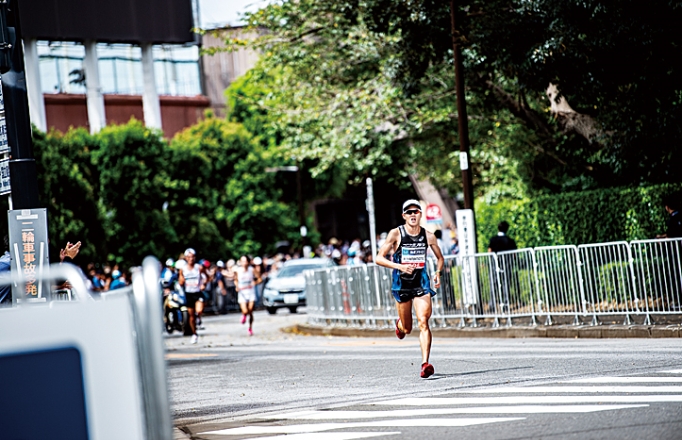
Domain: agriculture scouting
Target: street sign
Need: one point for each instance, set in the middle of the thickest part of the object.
(4, 145)
(5, 186)
(29, 248)
(434, 215)
(466, 234)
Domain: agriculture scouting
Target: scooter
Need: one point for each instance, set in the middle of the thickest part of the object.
(175, 316)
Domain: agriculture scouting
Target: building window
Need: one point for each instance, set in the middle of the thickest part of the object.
(176, 68)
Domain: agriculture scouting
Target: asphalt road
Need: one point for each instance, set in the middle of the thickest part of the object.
(285, 386)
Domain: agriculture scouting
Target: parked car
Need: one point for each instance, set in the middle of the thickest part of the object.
(287, 287)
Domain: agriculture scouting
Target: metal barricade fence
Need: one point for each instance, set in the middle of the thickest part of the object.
(519, 296)
(608, 280)
(559, 282)
(481, 287)
(448, 303)
(658, 270)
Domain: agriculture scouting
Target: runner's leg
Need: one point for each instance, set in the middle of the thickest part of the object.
(405, 315)
(200, 309)
(192, 322)
(422, 308)
(250, 309)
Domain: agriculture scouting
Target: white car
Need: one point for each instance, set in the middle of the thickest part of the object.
(287, 287)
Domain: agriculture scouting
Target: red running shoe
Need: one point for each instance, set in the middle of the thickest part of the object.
(400, 334)
(427, 370)
(243, 319)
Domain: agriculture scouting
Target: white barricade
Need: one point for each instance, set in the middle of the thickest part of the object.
(109, 358)
(657, 265)
(559, 282)
(608, 280)
(519, 296)
(641, 278)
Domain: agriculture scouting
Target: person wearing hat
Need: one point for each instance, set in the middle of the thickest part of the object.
(411, 284)
(246, 281)
(191, 278)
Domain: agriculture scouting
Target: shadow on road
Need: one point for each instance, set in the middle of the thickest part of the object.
(437, 376)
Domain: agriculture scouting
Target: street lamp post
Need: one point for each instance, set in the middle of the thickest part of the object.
(299, 191)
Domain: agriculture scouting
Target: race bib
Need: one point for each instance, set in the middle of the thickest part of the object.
(415, 257)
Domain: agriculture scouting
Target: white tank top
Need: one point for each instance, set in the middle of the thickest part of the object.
(245, 278)
(192, 278)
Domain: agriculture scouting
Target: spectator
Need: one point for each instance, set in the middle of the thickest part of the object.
(441, 243)
(454, 246)
(118, 280)
(5, 266)
(674, 222)
(501, 242)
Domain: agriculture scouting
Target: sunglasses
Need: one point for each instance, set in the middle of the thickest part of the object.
(412, 211)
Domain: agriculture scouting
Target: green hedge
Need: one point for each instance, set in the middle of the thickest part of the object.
(125, 192)
(596, 216)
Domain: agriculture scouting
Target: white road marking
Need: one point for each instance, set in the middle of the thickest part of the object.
(520, 409)
(571, 389)
(328, 436)
(671, 372)
(618, 379)
(309, 428)
(511, 400)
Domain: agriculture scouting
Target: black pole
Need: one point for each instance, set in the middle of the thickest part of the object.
(301, 213)
(462, 122)
(22, 165)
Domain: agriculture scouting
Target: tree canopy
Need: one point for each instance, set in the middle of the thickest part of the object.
(562, 95)
(126, 193)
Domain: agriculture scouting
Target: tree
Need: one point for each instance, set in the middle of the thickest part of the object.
(224, 203)
(68, 183)
(133, 165)
(368, 85)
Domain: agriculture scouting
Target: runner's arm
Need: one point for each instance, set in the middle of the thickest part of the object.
(181, 278)
(433, 243)
(390, 245)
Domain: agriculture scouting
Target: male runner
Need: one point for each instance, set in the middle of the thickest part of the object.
(191, 277)
(411, 284)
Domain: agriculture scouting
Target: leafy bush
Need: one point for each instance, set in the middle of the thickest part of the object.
(597, 216)
(126, 193)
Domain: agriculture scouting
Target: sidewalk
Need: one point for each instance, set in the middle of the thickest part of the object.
(540, 331)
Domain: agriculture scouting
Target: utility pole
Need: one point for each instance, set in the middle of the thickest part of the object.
(301, 212)
(299, 190)
(462, 121)
(23, 174)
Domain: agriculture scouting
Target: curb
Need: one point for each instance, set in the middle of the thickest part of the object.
(178, 434)
(540, 331)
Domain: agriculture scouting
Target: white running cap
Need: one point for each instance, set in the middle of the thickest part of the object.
(412, 202)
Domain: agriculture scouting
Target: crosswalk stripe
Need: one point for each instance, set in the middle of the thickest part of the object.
(511, 400)
(571, 389)
(329, 436)
(519, 409)
(308, 428)
(633, 379)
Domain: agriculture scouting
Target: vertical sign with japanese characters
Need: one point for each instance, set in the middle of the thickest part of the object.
(466, 233)
(5, 186)
(29, 249)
